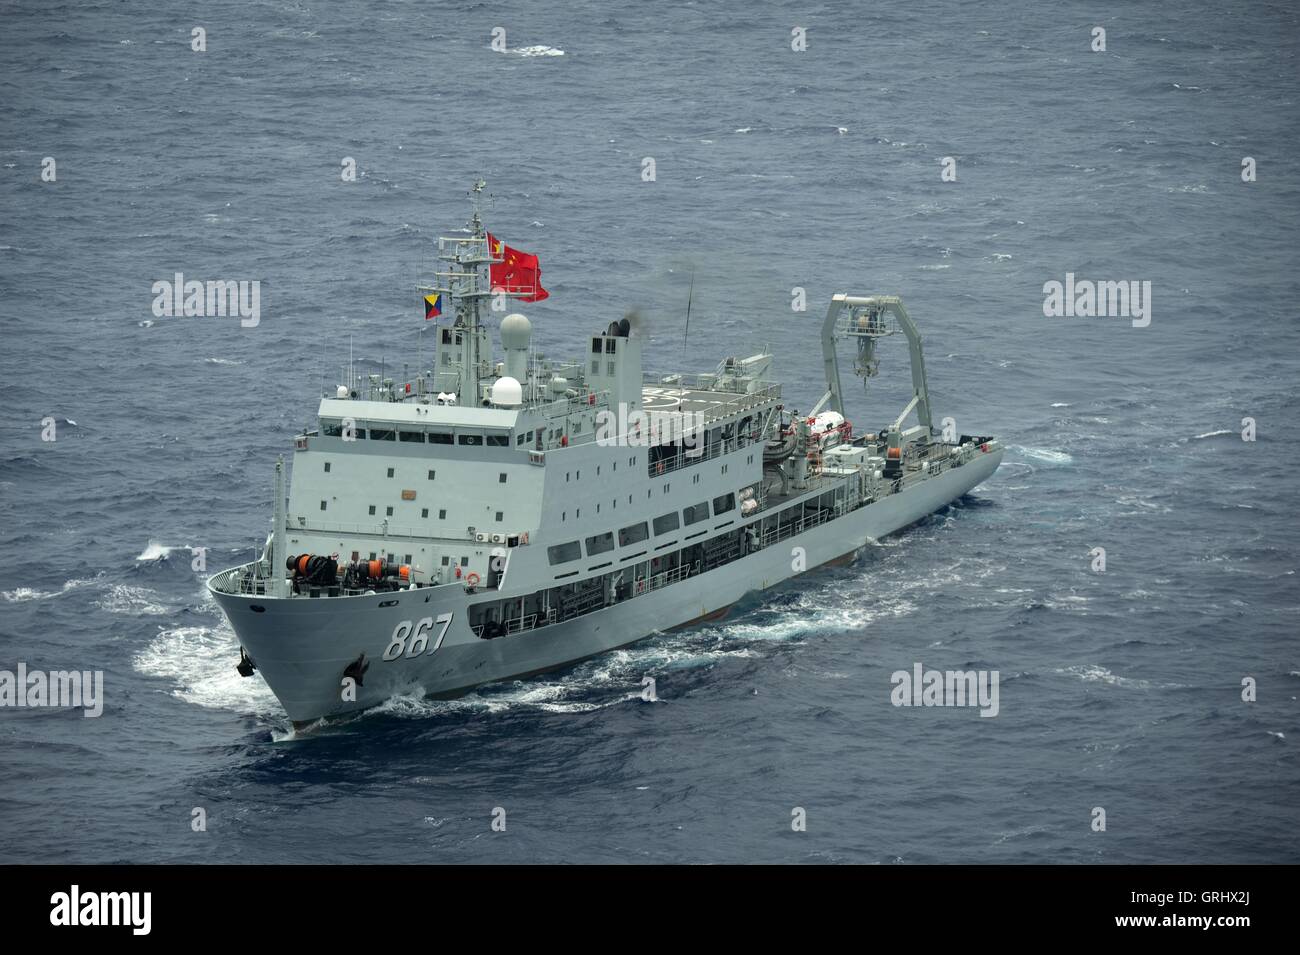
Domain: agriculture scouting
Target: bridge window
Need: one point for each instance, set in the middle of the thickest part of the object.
(600, 543)
(563, 553)
(498, 440)
(693, 515)
(724, 503)
(382, 434)
(470, 439)
(667, 523)
(633, 535)
(595, 346)
(417, 436)
(439, 437)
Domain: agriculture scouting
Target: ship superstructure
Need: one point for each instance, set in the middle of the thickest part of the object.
(490, 520)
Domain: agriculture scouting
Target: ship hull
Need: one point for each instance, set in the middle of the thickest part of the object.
(302, 646)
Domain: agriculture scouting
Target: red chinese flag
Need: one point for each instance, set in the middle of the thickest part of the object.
(519, 272)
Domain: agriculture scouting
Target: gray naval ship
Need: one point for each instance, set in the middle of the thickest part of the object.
(488, 521)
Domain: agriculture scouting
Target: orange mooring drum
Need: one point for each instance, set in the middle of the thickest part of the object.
(302, 563)
(404, 572)
(375, 568)
(894, 453)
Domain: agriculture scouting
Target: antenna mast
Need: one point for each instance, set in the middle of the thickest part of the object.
(690, 295)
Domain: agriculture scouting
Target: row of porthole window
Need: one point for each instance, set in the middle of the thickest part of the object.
(433, 474)
(577, 475)
(424, 512)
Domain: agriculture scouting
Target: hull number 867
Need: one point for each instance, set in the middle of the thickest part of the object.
(418, 635)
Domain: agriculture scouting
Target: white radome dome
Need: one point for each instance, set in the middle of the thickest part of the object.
(342, 391)
(507, 393)
(516, 332)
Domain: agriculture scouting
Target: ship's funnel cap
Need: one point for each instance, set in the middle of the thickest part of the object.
(516, 332)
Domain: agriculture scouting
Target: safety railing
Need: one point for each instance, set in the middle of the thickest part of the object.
(241, 580)
(667, 578)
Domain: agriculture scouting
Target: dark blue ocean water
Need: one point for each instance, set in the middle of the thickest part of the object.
(775, 169)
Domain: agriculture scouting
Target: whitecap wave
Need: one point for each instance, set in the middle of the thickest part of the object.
(538, 51)
(200, 663)
(131, 600)
(1092, 673)
(156, 551)
(1045, 455)
(21, 594)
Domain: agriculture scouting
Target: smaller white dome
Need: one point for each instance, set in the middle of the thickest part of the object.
(342, 391)
(507, 393)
